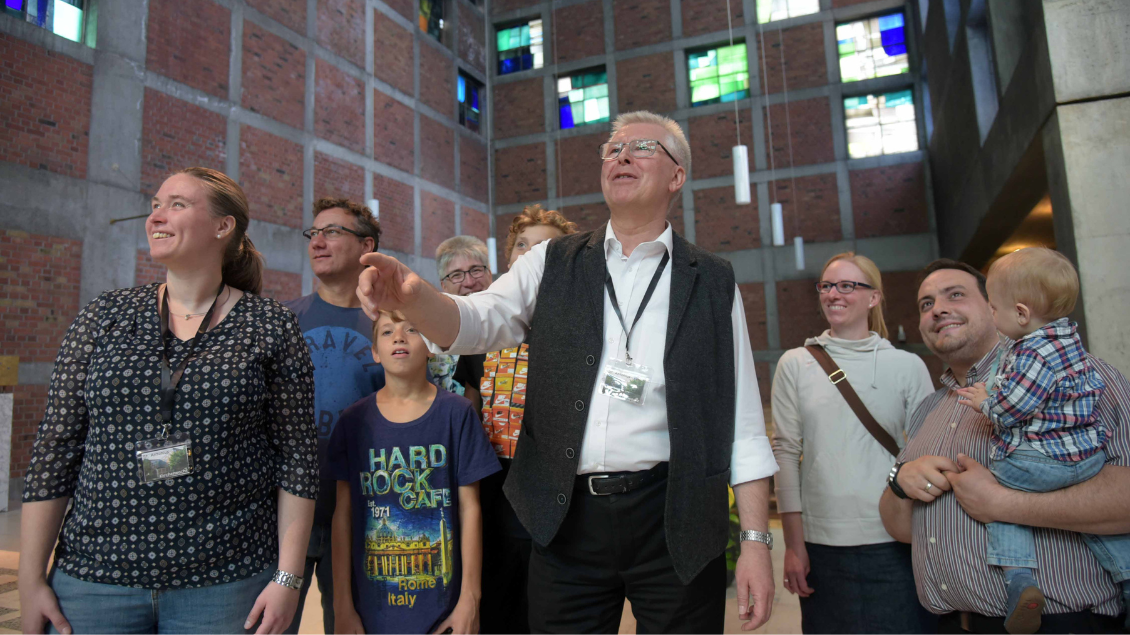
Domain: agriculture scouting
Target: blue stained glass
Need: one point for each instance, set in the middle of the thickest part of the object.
(475, 99)
(900, 98)
(893, 36)
(893, 21)
(527, 61)
(566, 117)
(15, 5)
(509, 66)
(895, 49)
(461, 90)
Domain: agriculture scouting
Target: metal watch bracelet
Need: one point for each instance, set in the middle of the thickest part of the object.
(757, 536)
(288, 580)
(893, 482)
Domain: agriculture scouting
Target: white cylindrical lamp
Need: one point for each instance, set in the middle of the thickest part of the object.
(798, 247)
(778, 223)
(492, 257)
(741, 175)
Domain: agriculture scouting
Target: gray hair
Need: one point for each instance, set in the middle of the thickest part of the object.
(452, 248)
(679, 146)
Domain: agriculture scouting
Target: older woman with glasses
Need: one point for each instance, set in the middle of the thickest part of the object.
(464, 268)
(851, 575)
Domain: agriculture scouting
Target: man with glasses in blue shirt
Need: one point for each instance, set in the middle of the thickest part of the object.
(337, 333)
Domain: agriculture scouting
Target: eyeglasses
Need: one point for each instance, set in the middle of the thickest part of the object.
(330, 232)
(456, 277)
(844, 286)
(639, 149)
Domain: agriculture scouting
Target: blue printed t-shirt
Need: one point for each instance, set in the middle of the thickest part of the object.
(344, 371)
(404, 481)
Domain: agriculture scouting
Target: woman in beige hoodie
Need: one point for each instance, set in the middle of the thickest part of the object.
(852, 577)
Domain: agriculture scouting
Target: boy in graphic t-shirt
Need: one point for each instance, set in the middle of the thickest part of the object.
(407, 530)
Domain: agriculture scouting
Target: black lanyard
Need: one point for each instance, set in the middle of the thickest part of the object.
(643, 304)
(169, 383)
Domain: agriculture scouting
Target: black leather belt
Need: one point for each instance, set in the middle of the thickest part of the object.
(608, 483)
(1080, 622)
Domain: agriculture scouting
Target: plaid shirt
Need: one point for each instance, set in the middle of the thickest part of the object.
(1046, 394)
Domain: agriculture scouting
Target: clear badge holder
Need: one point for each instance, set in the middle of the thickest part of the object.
(164, 457)
(625, 380)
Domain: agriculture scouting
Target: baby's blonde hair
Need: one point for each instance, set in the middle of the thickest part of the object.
(1041, 278)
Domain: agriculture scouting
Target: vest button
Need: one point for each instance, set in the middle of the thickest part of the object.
(590, 360)
(580, 405)
(569, 453)
(561, 499)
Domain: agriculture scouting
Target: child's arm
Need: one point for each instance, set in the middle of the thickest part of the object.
(1020, 394)
(465, 617)
(346, 619)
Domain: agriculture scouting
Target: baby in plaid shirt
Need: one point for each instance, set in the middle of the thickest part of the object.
(1045, 434)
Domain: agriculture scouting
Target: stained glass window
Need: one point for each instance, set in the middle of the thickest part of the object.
(520, 47)
(718, 75)
(871, 48)
(583, 98)
(772, 10)
(469, 93)
(880, 124)
(61, 17)
(431, 18)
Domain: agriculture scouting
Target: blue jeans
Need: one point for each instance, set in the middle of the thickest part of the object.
(1029, 470)
(91, 607)
(319, 559)
(863, 589)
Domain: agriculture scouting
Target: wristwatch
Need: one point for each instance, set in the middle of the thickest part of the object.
(757, 536)
(893, 483)
(288, 580)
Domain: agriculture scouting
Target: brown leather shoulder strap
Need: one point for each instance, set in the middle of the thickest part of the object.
(838, 377)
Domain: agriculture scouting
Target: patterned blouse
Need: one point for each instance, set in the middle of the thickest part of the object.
(246, 399)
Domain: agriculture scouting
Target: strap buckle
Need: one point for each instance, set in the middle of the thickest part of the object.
(842, 376)
(594, 477)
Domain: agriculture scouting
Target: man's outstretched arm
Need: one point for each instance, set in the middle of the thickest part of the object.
(387, 285)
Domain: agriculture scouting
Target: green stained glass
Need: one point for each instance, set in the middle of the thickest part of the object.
(503, 40)
(698, 74)
(593, 92)
(515, 37)
(525, 35)
(578, 110)
(603, 102)
(576, 95)
(855, 102)
(847, 48)
(899, 98)
(704, 92)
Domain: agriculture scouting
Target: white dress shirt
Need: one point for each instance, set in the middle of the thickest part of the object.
(620, 436)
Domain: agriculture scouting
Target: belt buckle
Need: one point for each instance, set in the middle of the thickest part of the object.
(593, 477)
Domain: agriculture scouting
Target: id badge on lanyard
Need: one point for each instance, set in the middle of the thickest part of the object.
(626, 379)
(169, 455)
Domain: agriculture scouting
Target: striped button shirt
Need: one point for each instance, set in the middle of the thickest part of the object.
(949, 547)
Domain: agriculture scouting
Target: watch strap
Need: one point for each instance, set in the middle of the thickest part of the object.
(757, 536)
(288, 580)
(893, 481)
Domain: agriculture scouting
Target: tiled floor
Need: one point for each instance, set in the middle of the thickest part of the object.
(785, 618)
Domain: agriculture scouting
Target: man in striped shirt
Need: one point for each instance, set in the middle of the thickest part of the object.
(950, 494)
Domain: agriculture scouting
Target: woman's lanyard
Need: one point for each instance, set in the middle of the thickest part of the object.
(643, 304)
(169, 382)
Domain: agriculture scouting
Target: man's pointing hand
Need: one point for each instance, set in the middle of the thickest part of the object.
(387, 285)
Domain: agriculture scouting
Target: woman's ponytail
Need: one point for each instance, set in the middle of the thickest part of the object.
(243, 264)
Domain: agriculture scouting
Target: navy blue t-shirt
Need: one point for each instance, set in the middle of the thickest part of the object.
(344, 371)
(404, 481)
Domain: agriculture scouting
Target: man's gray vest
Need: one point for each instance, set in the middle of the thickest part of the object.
(566, 339)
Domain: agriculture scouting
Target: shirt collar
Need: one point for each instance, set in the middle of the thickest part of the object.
(978, 372)
(1063, 328)
(612, 244)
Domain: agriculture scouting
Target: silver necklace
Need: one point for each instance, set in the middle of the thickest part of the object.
(189, 316)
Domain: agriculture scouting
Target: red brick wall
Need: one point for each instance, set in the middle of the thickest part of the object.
(502, 6)
(274, 76)
(438, 91)
(580, 31)
(38, 293)
(337, 179)
(471, 47)
(28, 406)
(578, 164)
(341, 28)
(811, 124)
(406, 8)
(281, 285)
(646, 83)
(818, 207)
(805, 66)
(147, 270)
(437, 218)
(475, 223)
(641, 22)
(176, 134)
(518, 108)
(587, 217)
(723, 225)
(519, 174)
(191, 47)
(289, 13)
(270, 171)
(437, 152)
(501, 232)
(798, 311)
(712, 140)
(394, 136)
(398, 216)
(753, 301)
(474, 181)
(339, 107)
(709, 16)
(889, 201)
(392, 53)
(44, 108)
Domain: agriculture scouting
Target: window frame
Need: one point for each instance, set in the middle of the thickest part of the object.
(84, 8)
(865, 19)
(788, 5)
(910, 90)
(507, 26)
(600, 70)
(718, 76)
(466, 79)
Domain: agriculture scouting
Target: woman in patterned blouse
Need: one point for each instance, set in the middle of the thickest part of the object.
(175, 525)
